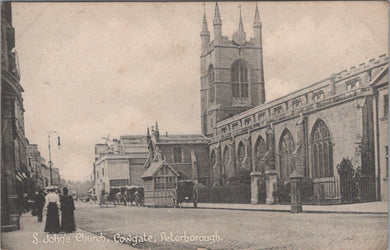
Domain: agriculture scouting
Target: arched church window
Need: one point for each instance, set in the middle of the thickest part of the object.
(210, 78)
(260, 150)
(240, 79)
(241, 155)
(321, 151)
(286, 149)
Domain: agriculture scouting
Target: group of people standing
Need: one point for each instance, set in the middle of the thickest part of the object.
(53, 203)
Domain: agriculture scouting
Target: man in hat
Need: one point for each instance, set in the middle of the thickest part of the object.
(39, 202)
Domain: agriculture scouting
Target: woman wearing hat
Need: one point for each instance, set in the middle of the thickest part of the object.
(67, 207)
(52, 204)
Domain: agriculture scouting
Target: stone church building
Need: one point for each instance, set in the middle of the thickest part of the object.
(305, 134)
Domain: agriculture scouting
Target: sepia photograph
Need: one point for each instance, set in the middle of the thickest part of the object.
(194, 125)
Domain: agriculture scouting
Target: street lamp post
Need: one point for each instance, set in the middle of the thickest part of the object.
(50, 162)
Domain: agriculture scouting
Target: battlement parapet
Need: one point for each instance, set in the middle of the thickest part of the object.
(373, 62)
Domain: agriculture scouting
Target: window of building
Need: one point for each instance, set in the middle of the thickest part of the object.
(159, 182)
(321, 151)
(177, 155)
(387, 161)
(223, 130)
(210, 78)
(386, 105)
(102, 171)
(352, 83)
(286, 158)
(240, 87)
(247, 121)
(164, 179)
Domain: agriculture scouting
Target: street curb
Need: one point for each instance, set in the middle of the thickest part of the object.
(288, 211)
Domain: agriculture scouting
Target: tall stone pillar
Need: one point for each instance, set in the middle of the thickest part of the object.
(296, 202)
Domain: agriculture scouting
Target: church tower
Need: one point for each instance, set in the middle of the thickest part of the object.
(232, 78)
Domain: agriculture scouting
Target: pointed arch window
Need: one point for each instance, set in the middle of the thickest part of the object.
(260, 150)
(321, 151)
(241, 155)
(240, 87)
(211, 78)
(286, 149)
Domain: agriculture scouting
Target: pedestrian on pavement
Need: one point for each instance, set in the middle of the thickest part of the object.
(67, 207)
(39, 202)
(52, 204)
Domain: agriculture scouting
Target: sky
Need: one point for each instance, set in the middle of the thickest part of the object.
(95, 69)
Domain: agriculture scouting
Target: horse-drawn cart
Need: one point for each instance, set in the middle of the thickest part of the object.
(185, 192)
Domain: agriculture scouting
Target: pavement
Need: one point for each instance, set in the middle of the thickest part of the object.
(379, 207)
(31, 236)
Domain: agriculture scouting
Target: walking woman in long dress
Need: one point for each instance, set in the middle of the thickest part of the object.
(67, 207)
(52, 203)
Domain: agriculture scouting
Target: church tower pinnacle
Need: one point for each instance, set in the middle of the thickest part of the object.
(217, 22)
(240, 26)
(204, 34)
(257, 22)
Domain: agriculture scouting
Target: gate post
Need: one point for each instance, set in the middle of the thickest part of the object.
(296, 202)
(255, 183)
(270, 186)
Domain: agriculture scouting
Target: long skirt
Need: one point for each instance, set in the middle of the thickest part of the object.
(67, 221)
(52, 219)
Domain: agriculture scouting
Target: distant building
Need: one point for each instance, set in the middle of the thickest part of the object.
(120, 163)
(186, 154)
(14, 167)
(40, 170)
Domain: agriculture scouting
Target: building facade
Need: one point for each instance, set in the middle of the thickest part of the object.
(186, 154)
(119, 164)
(40, 170)
(14, 166)
(307, 133)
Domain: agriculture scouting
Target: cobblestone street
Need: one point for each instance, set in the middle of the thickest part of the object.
(237, 229)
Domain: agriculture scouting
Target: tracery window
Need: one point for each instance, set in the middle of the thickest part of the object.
(321, 151)
(210, 78)
(260, 150)
(239, 79)
(241, 155)
(286, 149)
